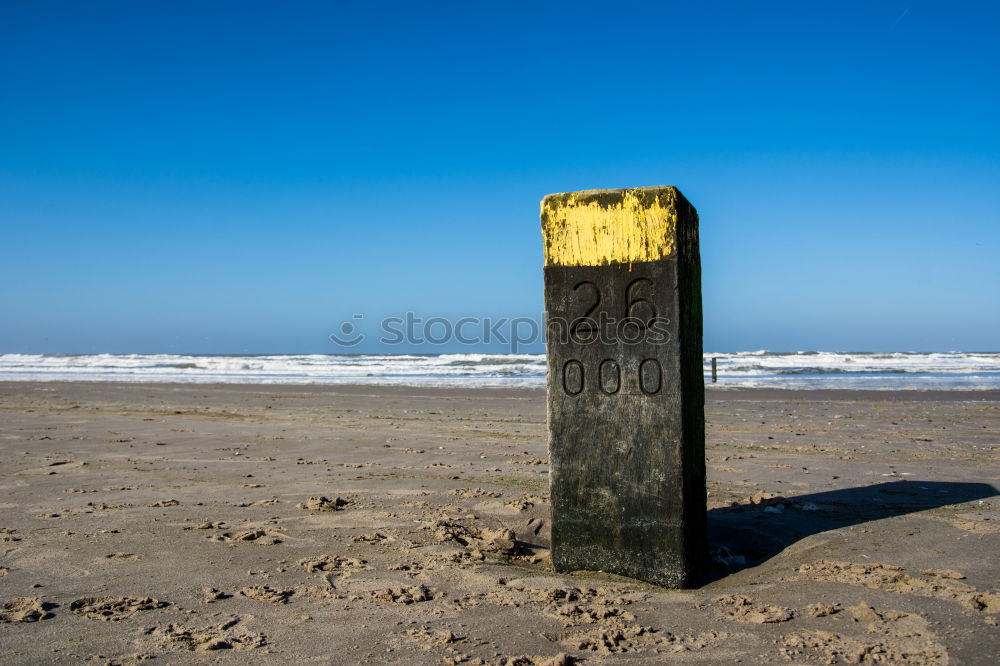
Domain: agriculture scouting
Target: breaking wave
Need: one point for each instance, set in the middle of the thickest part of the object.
(797, 370)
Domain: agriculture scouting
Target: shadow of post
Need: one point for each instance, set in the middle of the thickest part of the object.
(745, 535)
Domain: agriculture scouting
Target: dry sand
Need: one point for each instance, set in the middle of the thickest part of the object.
(280, 524)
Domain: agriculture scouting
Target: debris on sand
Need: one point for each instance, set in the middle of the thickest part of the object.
(410, 594)
(480, 541)
(212, 594)
(475, 492)
(122, 556)
(744, 609)
(331, 563)
(822, 610)
(561, 659)
(258, 537)
(322, 503)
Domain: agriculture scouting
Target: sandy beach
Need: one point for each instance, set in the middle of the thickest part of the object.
(279, 524)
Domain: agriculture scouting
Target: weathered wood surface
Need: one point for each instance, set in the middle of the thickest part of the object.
(625, 387)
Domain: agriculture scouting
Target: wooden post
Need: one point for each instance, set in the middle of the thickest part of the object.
(715, 374)
(625, 383)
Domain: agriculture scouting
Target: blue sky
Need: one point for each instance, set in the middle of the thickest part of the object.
(241, 177)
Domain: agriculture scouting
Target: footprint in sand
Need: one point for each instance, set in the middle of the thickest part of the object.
(114, 609)
(266, 593)
(894, 636)
(219, 637)
(25, 609)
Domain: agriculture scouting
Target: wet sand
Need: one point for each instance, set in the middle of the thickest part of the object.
(188, 524)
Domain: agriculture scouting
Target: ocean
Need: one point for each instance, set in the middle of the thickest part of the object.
(794, 370)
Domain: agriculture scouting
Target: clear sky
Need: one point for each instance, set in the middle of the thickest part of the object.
(240, 177)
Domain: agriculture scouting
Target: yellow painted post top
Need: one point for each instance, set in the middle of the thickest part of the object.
(599, 227)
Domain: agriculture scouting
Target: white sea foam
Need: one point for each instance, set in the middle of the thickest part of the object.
(410, 370)
(799, 370)
(858, 370)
